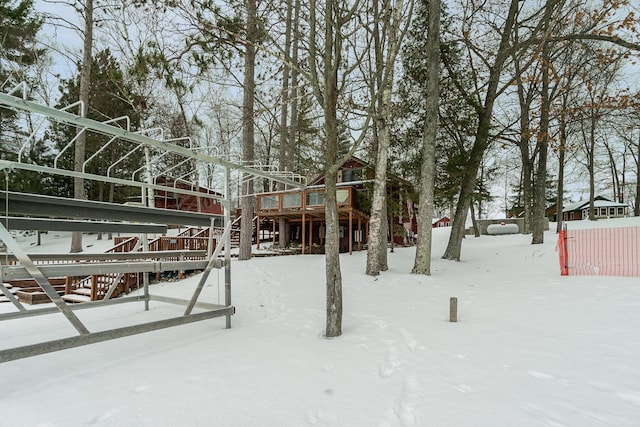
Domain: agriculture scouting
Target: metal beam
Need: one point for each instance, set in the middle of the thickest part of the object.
(107, 256)
(108, 129)
(96, 337)
(42, 281)
(9, 273)
(40, 224)
(9, 165)
(49, 206)
(73, 307)
(180, 301)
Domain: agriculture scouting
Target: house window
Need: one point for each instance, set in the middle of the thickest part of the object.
(349, 175)
(342, 196)
(571, 215)
(603, 212)
(612, 211)
(620, 211)
(315, 199)
(269, 202)
(293, 200)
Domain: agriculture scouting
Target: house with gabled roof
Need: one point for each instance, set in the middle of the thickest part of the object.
(304, 211)
(603, 208)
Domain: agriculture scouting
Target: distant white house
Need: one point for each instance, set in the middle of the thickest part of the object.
(603, 208)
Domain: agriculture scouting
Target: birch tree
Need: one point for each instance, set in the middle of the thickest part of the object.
(388, 26)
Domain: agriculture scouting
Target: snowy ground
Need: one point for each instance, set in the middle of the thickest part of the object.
(531, 348)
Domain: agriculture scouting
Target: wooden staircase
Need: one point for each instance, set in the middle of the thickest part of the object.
(96, 287)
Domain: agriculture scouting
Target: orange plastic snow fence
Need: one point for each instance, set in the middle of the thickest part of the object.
(601, 251)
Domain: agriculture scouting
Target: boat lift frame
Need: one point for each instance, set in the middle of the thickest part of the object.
(37, 212)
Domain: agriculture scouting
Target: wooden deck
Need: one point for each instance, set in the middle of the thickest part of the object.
(305, 211)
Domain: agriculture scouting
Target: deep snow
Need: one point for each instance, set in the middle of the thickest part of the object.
(531, 348)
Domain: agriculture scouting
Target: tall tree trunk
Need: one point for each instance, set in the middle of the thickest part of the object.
(591, 167)
(332, 258)
(539, 206)
(293, 121)
(562, 149)
(332, 242)
(422, 262)
(284, 154)
(525, 99)
(248, 135)
(85, 81)
(377, 242)
(636, 205)
(332, 61)
(482, 140)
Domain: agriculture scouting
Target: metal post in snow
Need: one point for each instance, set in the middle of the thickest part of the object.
(227, 244)
(145, 277)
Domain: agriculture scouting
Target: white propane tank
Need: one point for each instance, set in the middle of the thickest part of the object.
(503, 228)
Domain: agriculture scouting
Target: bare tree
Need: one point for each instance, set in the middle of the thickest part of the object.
(388, 25)
(248, 131)
(482, 137)
(332, 29)
(422, 263)
(284, 159)
(85, 79)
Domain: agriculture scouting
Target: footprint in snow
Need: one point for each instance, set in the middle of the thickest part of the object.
(408, 338)
(391, 364)
(541, 375)
(105, 416)
(319, 418)
(406, 409)
(463, 388)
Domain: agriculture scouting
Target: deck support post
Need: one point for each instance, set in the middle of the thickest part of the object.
(273, 232)
(304, 223)
(350, 233)
(145, 276)
(258, 232)
(359, 232)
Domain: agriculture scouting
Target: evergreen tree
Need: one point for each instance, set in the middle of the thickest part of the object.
(18, 51)
(457, 119)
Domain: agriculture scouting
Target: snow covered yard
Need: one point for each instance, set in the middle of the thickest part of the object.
(531, 348)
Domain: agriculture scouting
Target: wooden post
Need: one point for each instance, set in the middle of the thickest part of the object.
(258, 232)
(359, 232)
(273, 233)
(453, 309)
(350, 233)
(310, 233)
(304, 219)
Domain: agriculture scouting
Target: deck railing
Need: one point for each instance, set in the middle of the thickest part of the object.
(305, 200)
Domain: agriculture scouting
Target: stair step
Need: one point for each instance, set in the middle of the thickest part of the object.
(82, 291)
(3, 298)
(76, 298)
(8, 285)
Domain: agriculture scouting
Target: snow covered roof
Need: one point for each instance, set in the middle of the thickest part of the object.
(598, 202)
(435, 220)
